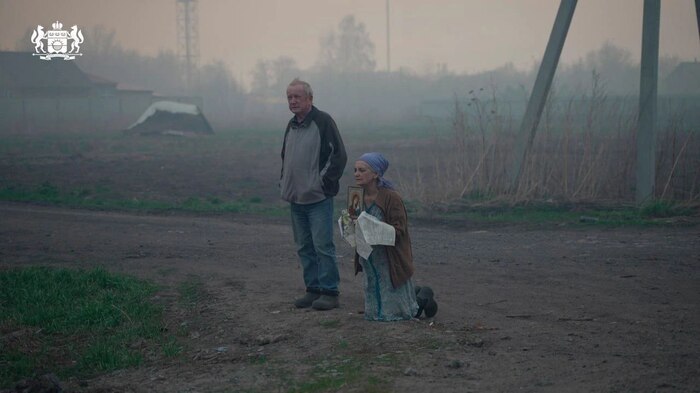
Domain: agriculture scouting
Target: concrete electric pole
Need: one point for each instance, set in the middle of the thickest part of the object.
(646, 126)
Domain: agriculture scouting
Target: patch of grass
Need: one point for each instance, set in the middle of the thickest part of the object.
(191, 291)
(105, 199)
(74, 322)
(433, 344)
(330, 323)
(564, 214)
(390, 358)
(664, 209)
(343, 344)
(478, 196)
(332, 374)
(171, 347)
(259, 359)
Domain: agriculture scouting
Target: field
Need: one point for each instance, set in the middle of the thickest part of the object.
(551, 304)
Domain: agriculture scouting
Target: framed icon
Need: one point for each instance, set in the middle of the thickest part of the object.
(356, 201)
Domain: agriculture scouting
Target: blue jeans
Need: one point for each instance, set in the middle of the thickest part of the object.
(313, 234)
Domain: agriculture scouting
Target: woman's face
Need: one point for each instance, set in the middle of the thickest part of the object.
(364, 175)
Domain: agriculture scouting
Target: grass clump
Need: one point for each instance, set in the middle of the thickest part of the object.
(333, 374)
(74, 323)
(664, 209)
(191, 292)
(330, 323)
(560, 214)
(107, 199)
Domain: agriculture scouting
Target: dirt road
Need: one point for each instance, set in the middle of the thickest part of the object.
(521, 309)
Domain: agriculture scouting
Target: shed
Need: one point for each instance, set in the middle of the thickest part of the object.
(171, 118)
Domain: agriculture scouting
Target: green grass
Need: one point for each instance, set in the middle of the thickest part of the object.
(191, 292)
(38, 151)
(330, 323)
(105, 199)
(331, 374)
(664, 209)
(656, 214)
(347, 368)
(75, 323)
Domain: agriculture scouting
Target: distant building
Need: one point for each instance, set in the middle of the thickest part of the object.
(25, 76)
(56, 95)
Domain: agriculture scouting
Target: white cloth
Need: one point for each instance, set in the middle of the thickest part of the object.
(365, 232)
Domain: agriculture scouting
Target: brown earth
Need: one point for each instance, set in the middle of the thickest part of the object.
(522, 308)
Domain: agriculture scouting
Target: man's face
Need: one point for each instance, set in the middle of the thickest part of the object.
(299, 102)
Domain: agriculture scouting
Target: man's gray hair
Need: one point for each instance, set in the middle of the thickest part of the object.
(307, 87)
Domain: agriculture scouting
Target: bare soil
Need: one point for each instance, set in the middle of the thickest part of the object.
(550, 308)
(521, 308)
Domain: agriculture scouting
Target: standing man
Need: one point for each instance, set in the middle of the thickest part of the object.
(313, 160)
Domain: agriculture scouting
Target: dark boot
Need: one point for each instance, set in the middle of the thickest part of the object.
(307, 300)
(325, 302)
(426, 302)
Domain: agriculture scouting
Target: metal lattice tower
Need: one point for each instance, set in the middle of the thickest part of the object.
(188, 36)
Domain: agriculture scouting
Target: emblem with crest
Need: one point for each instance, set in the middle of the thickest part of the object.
(54, 43)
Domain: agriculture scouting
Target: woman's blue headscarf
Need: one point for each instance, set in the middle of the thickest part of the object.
(379, 165)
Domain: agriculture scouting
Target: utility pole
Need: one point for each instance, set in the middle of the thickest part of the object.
(697, 14)
(648, 83)
(540, 91)
(648, 91)
(188, 37)
(388, 41)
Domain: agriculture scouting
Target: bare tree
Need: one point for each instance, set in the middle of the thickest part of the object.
(284, 69)
(271, 76)
(348, 50)
(261, 77)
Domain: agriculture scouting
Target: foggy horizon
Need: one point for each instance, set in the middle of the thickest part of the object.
(462, 37)
(156, 215)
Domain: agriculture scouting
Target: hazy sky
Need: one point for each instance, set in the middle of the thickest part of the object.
(467, 35)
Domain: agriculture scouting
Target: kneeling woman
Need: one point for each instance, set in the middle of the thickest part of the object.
(390, 294)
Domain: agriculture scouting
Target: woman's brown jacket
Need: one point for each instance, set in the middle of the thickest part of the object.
(400, 255)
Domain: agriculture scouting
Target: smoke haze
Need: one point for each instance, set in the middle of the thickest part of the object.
(463, 36)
